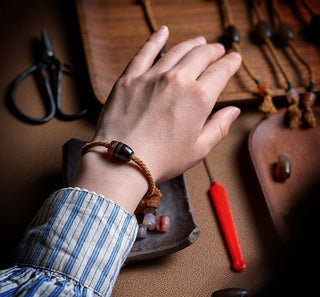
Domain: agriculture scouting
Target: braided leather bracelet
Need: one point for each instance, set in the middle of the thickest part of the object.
(124, 153)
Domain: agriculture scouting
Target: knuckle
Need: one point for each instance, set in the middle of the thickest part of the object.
(124, 81)
(201, 94)
(182, 47)
(172, 77)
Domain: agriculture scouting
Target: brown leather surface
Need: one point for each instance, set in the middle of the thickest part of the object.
(31, 168)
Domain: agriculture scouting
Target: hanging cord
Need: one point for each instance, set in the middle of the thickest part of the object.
(284, 34)
(232, 38)
(267, 40)
(149, 15)
(264, 35)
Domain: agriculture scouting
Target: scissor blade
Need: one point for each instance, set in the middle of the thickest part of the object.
(47, 45)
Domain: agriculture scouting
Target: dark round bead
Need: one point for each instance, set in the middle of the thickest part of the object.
(263, 31)
(230, 292)
(232, 34)
(121, 151)
(283, 34)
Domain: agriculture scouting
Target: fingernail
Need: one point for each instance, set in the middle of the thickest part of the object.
(201, 39)
(220, 45)
(235, 113)
(235, 54)
(162, 30)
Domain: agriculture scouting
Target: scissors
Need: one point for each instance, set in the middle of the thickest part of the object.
(49, 71)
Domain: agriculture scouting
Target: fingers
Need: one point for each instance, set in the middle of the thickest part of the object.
(217, 127)
(177, 52)
(198, 58)
(144, 58)
(217, 75)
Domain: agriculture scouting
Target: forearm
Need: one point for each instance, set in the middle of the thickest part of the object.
(78, 241)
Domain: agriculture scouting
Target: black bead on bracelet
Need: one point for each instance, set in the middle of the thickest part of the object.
(124, 153)
(120, 151)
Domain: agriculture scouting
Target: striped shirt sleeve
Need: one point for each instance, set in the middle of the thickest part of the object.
(75, 246)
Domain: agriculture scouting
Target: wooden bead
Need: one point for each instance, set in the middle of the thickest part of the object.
(232, 34)
(283, 34)
(308, 98)
(163, 224)
(263, 31)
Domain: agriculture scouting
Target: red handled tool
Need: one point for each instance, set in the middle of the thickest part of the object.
(220, 201)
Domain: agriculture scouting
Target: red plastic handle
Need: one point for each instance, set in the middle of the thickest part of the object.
(221, 204)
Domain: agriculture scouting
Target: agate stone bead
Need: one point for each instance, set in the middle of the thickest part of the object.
(121, 151)
(150, 221)
(263, 31)
(308, 98)
(282, 169)
(142, 231)
(292, 94)
(163, 223)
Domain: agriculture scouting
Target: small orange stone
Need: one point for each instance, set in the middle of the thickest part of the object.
(262, 86)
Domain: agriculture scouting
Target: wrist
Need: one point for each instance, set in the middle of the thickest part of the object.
(124, 183)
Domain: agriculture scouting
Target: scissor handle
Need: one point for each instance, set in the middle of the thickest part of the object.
(58, 90)
(49, 104)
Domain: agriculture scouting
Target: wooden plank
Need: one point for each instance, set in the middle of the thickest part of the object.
(113, 30)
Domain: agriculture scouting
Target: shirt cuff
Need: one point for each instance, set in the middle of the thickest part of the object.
(80, 235)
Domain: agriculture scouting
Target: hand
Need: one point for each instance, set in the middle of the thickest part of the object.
(163, 111)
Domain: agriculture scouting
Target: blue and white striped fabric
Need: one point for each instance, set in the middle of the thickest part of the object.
(75, 246)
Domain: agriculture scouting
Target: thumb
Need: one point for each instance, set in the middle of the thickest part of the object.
(218, 125)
